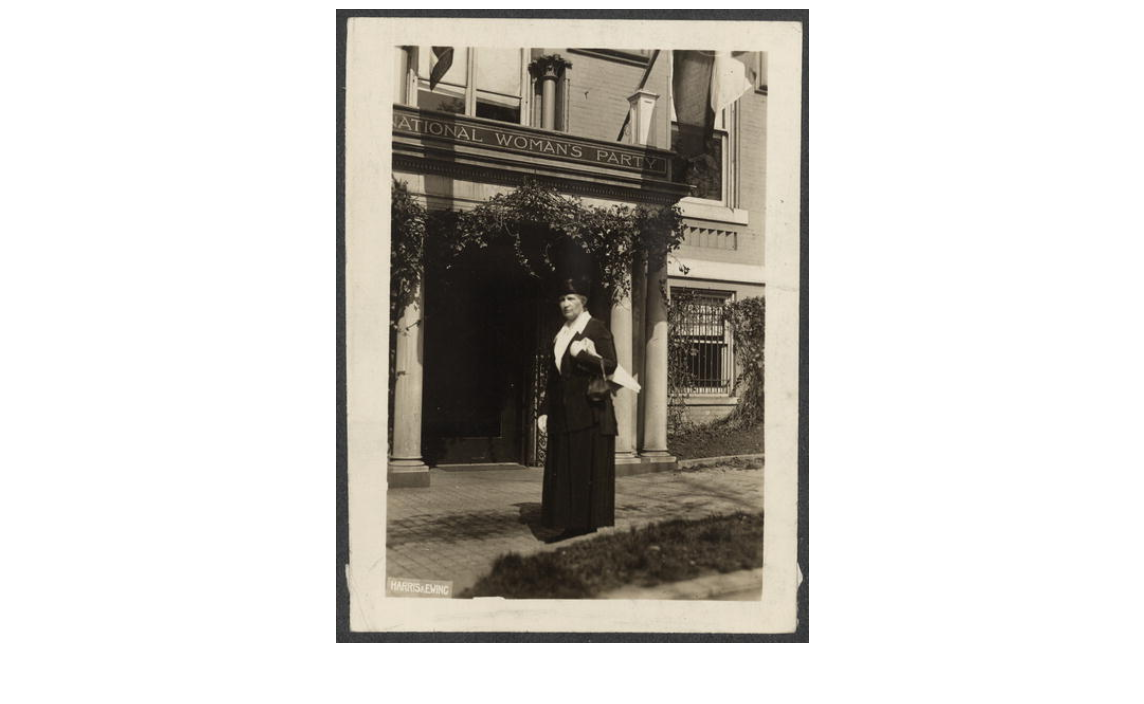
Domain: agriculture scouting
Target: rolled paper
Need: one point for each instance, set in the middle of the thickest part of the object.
(624, 379)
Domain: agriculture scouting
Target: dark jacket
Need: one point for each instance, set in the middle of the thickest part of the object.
(566, 397)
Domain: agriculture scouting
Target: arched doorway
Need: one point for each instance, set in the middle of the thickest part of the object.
(481, 330)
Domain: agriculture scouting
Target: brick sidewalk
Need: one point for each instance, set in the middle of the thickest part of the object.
(457, 527)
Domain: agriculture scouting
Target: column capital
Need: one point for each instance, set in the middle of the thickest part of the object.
(549, 66)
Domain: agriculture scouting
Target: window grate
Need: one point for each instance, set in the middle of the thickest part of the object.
(704, 341)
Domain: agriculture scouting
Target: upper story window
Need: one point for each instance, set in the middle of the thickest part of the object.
(714, 173)
(499, 77)
(478, 82)
(450, 93)
(708, 173)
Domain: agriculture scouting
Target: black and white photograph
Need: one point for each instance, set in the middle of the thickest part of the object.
(577, 307)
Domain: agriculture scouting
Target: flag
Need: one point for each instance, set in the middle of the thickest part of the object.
(703, 84)
(444, 59)
(691, 100)
(730, 79)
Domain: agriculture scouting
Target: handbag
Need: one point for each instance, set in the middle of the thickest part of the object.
(598, 388)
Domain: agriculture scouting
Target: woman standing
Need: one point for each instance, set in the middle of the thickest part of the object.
(579, 492)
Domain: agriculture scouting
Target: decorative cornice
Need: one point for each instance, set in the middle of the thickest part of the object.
(507, 161)
(642, 193)
(511, 161)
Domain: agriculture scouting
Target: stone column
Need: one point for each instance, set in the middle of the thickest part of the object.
(406, 467)
(654, 379)
(548, 101)
(655, 364)
(625, 399)
(548, 69)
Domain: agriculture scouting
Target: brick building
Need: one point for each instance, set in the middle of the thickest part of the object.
(599, 125)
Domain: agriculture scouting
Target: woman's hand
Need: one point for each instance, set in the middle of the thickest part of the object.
(580, 345)
(542, 423)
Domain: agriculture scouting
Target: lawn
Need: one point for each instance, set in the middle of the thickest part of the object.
(665, 552)
(716, 440)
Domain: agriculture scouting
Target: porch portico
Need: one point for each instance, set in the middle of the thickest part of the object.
(442, 412)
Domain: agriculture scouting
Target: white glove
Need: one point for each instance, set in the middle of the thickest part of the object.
(542, 423)
(581, 345)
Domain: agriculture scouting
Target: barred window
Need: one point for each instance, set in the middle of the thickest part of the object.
(703, 340)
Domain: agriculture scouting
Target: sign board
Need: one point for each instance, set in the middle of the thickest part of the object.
(523, 140)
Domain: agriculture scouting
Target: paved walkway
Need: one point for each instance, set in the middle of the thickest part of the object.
(457, 527)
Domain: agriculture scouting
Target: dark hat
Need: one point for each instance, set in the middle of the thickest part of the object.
(573, 268)
(573, 284)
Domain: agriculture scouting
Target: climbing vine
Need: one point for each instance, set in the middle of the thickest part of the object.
(537, 222)
(747, 320)
(680, 350)
(407, 246)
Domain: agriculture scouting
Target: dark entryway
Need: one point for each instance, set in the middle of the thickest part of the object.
(482, 326)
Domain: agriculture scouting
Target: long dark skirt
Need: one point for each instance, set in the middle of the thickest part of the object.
(579, 480)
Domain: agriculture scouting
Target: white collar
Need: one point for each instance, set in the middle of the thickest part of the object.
(580, 322)
(566, 333)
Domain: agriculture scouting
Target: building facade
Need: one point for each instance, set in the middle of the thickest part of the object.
(472, 123)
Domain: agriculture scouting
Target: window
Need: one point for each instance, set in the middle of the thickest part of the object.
(707, 173)
(714, 174)
(450, 93)
(701, 340)
(499, 78)
(479, 82)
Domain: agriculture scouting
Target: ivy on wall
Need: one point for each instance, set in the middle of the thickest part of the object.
(538, 222)
(407, 247)
(680, 350)
(746, 319)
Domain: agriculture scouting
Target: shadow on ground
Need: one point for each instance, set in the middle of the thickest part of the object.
(472, 525)
(530, 516)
